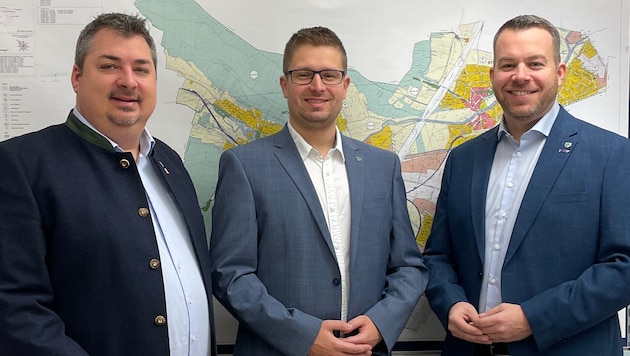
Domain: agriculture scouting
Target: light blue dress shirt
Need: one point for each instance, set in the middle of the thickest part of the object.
(512, 168)
(186, 300)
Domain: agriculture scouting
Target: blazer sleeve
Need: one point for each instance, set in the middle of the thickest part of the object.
(407, 275)
(443, 289)
(234, 255)
(29, 325)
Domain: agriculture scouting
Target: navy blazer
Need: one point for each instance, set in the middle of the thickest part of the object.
(568, 261)
(76, 250)
(273, 261)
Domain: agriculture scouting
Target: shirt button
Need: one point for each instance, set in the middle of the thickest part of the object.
(154, 263)
(510, 184)
(335, 281)
(496, 246)
(143, 212)
(493, 280)
(518, 154)
(160, 320)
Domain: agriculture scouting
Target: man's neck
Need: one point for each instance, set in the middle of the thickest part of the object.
(321, 140)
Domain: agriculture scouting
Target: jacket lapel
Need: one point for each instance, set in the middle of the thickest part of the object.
(482, 165)
(289, 157)
(552, 159)
(355, 171)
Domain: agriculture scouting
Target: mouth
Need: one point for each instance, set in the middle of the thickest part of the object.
(125, 103)
(315, 101)
(521, 92)
(125, 96)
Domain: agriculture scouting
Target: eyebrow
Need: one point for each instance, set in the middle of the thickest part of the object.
(530, 58)
(141, 61)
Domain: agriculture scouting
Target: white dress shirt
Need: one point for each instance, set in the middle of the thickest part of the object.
(329, 177)
(512, 168)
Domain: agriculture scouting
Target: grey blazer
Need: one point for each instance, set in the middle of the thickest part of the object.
(273, 261)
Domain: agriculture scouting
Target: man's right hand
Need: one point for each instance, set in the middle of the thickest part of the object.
(460, 319)
(327, 344)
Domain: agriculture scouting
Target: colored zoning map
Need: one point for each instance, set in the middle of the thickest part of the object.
(444, 99)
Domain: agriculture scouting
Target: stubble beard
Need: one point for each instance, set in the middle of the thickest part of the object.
(123, 120)
(531, 112)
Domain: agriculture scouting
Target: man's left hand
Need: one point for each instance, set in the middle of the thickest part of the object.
(504, 323)
(366, 331)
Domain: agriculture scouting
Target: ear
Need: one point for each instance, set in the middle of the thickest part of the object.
(74, 78)
(561, 72)
(283, 85)
(346, 84)
(491, 74)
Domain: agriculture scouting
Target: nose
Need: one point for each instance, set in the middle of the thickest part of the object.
(127, 79)
(317, 84)
(521, 72)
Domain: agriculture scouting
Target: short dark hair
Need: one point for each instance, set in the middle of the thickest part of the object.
(524, 22)
(316, 36)
(124, 24)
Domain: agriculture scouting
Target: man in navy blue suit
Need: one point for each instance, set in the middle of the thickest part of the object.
(312, 247)
(102, 244)
(530, 248)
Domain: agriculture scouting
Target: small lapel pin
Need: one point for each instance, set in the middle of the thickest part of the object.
(566, 149)
(358, 158)
(164, 168)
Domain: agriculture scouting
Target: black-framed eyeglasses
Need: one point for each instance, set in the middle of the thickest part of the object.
(305, 76)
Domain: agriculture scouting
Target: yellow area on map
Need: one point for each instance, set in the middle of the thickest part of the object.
(252, 118)
(579, 83)
(425, 230)
(473, 76)
(381, 139)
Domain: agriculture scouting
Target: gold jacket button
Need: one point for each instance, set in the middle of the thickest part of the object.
(124, 163)
(154, 263)
(160, 320)
(143, 212)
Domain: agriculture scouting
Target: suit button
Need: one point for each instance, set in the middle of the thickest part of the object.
(480, 275)
(154, 263)
(335, 282)
(143, 212)
(160, 320)
(124, 163)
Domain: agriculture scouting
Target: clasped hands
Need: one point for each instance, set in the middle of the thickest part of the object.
(503, 323)
(364, 337)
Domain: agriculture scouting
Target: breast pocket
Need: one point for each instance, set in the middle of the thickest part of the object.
(377, 202)
(567, 197)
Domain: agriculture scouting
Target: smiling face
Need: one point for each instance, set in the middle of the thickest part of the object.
(525, 77)
(315, 106)
(116, 89)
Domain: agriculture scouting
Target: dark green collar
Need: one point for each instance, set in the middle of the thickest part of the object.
(87, 133)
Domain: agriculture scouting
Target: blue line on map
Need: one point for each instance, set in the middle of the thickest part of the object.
(212, 114)
(450, 147)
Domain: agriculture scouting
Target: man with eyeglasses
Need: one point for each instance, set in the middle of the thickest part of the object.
(312, 249)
